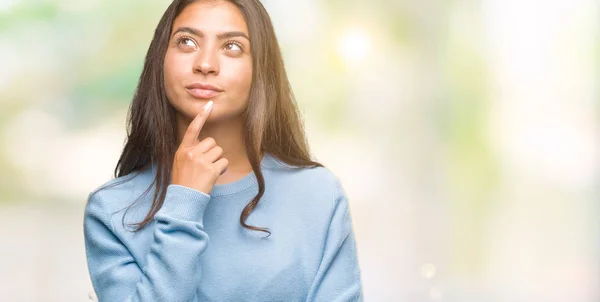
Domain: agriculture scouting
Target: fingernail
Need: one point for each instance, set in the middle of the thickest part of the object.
(208, 105)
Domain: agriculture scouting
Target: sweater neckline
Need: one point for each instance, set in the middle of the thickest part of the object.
(237, 186)
(244, 183)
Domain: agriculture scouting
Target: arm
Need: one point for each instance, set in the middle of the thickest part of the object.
(172, 272)
(338, 277)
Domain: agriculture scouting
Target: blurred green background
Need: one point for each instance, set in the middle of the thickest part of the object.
(464, 132)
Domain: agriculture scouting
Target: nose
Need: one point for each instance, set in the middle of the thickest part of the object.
(207, 63)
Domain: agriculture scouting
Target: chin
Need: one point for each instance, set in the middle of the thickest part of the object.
(219, 115)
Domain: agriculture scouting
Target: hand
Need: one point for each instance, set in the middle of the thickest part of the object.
(197, 165)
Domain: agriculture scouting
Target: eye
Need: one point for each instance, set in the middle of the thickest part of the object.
(233, 46)
(186, 42)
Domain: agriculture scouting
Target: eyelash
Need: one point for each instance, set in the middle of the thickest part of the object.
(181, 38)
(236, 43)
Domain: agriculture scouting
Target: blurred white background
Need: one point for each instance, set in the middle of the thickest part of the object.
(464, 132)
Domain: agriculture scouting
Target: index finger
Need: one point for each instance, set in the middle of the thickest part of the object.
(193, 130)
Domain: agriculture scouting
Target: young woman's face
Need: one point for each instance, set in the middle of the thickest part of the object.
(208, 58)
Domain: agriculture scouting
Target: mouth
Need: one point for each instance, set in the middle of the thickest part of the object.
(203, 91)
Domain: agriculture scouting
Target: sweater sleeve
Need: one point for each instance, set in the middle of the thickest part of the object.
(172, 269)
(338, 276)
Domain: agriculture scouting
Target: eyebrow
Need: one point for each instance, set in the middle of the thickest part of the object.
(221, 36)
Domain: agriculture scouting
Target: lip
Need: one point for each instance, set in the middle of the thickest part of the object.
(203, 91)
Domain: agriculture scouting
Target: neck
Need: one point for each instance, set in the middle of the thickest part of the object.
(229, 135)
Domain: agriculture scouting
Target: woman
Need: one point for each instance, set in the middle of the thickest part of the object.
(216, 197)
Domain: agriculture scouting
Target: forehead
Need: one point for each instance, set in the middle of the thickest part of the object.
(211, 17)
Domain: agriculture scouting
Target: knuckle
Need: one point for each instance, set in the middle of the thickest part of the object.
(199, 160)
(190, 155)
(210, 140)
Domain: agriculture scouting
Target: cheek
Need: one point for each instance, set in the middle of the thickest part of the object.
(168, 76)
(173, 71)
(241, 79)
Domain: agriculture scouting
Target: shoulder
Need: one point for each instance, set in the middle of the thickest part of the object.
(319, 176)
(118, 193)
(316, 189)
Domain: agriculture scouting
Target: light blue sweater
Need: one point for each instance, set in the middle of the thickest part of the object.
(196, 250)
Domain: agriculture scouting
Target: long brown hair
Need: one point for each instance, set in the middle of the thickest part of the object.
(273, 123)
